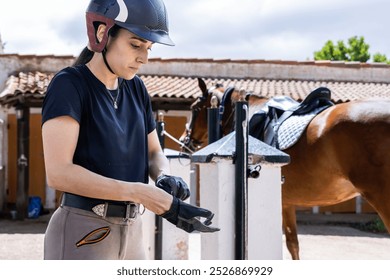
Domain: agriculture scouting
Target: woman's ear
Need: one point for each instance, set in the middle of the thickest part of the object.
(100, 32)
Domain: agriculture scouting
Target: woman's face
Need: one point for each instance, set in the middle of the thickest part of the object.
(126, 53)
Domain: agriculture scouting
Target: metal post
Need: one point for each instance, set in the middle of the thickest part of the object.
(160, 130)
(158, 236)
(241, 180)
(214, 132)
(23, 119)
(3, 193)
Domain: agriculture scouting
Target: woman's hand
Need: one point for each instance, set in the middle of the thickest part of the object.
(188, 217)
(173, 185)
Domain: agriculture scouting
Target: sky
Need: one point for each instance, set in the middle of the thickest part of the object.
(219, 29)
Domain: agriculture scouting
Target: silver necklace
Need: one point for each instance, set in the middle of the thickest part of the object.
(114, 100)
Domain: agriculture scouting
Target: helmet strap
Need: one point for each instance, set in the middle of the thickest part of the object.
(93, 43)
(104, 51)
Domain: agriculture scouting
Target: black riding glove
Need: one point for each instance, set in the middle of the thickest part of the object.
(187, 217)
(174, 186)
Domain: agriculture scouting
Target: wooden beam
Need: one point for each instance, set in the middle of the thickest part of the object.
(166, 103)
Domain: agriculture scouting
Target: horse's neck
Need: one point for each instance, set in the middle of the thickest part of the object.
(255, 104)
(228, 119)
(253, 109)
(218, 94)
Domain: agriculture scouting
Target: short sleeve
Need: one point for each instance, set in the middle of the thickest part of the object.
(63, 97)
(149, 113)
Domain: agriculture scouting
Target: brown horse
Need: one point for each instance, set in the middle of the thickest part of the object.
(344, 152)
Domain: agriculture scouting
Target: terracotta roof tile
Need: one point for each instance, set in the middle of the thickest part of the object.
(34, 85)
(25, 85)
(341, 91)
(345, 64)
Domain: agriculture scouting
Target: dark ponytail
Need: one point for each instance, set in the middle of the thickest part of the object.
(84, 57)
(86, 54)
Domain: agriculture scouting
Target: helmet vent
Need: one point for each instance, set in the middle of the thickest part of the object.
(161, 19)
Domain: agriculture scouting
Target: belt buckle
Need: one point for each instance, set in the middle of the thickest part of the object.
(129, 212)
(100, 209)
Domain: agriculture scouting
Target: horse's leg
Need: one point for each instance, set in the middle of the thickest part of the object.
(383, 212)
(379, 200)
(290, 231)
(369, 171)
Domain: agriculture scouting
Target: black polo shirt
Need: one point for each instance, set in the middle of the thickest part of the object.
(112, 142)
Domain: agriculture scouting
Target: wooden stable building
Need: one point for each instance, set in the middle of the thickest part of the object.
(173, 87)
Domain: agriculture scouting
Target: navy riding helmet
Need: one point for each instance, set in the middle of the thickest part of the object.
(147, 19)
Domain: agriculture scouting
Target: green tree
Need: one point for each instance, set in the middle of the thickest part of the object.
(356, 50)
(330, 51)
(378, 57)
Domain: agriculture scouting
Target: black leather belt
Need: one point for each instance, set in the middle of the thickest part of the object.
(103, 208)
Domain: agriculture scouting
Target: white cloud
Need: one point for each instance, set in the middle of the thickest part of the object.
(31, 27)
(245, 29)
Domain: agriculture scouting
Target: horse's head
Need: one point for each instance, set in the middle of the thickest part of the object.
(195, 134)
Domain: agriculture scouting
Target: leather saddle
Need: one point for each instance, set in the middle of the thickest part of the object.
(265, 123)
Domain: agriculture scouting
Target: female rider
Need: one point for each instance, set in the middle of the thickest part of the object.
(100, 142)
